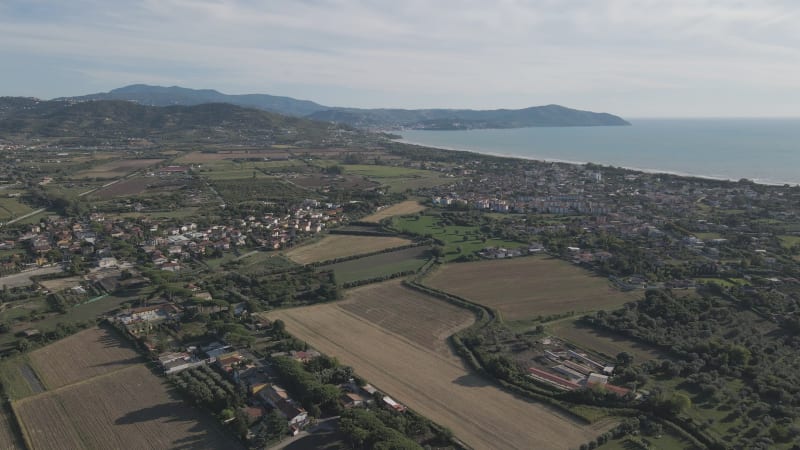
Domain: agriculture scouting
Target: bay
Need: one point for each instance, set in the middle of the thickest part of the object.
(762, 150)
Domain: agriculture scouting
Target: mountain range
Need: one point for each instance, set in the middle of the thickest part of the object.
(434, 119)
(105, 121)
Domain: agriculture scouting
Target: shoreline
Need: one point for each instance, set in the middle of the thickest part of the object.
(581, 163)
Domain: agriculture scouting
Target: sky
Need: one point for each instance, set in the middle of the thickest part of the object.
(635, 58)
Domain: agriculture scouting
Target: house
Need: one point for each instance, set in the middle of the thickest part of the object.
(227, 361)
(354, 399)
(278, 398)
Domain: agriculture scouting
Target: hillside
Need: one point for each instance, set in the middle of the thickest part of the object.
(102, 122)
(433, 119)
(175, 95)
(459, 119)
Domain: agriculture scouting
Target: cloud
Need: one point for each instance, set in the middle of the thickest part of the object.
(462, 52)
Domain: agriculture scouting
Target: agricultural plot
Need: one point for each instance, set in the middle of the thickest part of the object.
(396, 340)
(118, 168)
(523, 288)
(87, 354)
(341, 245)
(400, 209)
(379, 265)
(605, 343)
(123, 188)
(259, 189)
(458, 240)
(207, 157)
(129, 408)
(8, 439)
(24, 278)
(60, 284)
(398, 179)
(11, 208)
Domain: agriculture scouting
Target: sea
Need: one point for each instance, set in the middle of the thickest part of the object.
(761, 150)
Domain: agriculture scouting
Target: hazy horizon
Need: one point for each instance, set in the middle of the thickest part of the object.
(679, 58)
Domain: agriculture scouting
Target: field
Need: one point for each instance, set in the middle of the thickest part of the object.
(523, 288)
(400, 209)
(123, 188)
(379, 265)
(118, 168)
(129, 408)
(398, 179)
(8, 439)
(101, 395)
(59, 284)
(467, 238)
(24, 278)
(205, 157)
(87, 354)
(341, 245)
(789, 241)
(394, 338)
(607, 344)
(11, 208)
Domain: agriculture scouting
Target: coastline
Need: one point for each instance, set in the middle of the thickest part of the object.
(580, 163)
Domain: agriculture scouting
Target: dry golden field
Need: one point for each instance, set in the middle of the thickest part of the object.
(400, 209)
(87, 354)
(341, 245)
(523, 288)
(128, 409)
(388, 341)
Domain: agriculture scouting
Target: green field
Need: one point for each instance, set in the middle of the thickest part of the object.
(81, 313)
(469, 239)
(14, 383)
(789, 241)
(398, 179)
(379, 265)
(604, 343)
(11, 208)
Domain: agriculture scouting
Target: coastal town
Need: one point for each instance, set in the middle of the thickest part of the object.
(572, 286)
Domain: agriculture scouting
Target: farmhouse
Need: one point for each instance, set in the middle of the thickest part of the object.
(278, 398)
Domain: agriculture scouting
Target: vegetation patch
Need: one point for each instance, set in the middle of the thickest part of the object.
(458, 241)
(380, 265)
(606, 343)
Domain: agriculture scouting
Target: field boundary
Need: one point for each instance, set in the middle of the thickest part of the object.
(78, 383)
(26, 439)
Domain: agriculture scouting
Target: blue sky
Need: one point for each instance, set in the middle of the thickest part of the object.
(636, 58)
